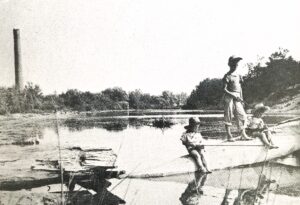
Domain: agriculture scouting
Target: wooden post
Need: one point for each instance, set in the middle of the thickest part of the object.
(18, 62)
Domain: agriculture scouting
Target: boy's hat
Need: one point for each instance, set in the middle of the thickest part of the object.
(260, 108)
(233, 60)
(193, 121)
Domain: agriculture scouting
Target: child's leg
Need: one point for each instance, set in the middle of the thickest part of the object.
(268, 135)
(263, 138)
(244, 135)
(202, 155)
(228, 132)
(269, 138)
(194, 153)
(228, 115)
(241, 118)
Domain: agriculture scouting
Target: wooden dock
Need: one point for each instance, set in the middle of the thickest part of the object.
(35, 166)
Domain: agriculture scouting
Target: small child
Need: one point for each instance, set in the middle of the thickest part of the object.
(257, 128)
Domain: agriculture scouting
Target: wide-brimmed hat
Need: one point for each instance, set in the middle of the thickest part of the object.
(260, 108)
(233, 60)
(193, 121)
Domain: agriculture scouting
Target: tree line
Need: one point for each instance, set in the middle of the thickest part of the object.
(31, 100)
(263, 81)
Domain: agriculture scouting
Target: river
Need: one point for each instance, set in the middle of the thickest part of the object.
(138, 143)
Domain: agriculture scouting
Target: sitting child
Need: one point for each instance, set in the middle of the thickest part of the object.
(192, 139)
(257, 128)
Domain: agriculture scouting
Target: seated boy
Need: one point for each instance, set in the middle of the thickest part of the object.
(192, 139)
(257, 128)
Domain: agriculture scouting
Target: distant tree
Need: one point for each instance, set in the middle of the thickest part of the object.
(160, 102)
(15, 101)
(3, 101)
(33, 97)
(170, 99)
(207, 94)
(146, 101)
(72, 99)
(52, 103)
(181, 99)
(135, 99)
(116, 94)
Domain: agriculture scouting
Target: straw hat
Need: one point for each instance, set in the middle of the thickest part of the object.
(193, 121)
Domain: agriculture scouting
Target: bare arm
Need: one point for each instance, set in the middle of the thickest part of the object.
(241, 96)
(228, 92)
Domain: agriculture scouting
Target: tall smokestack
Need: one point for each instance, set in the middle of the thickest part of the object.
(18, 62)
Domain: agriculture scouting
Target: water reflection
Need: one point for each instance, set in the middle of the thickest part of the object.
(22, 131)
(241, 186)
(22, 135)
(117, 124)
(82, 124)
(250, 196)
(193, 192)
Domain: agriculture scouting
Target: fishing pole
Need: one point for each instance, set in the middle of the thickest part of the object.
(60, 159)
(233, 145)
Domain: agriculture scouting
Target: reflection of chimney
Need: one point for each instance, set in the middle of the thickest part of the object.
(18, 63)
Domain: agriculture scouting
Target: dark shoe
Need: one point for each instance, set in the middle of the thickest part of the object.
(273, 147)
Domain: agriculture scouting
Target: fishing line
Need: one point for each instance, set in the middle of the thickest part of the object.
(286, 121)
(127, 188)
(261, 173)
(274, 199)
(229, 175)
(241, 178)
(270, 175)
(102, 196)
(126, 177)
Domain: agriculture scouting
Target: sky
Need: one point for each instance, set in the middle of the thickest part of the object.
(152, 45)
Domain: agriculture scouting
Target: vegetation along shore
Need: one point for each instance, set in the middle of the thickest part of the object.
(277, 84)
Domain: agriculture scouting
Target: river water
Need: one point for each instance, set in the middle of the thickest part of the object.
(140, 144)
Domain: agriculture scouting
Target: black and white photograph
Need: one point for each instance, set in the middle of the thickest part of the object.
(149, 102)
